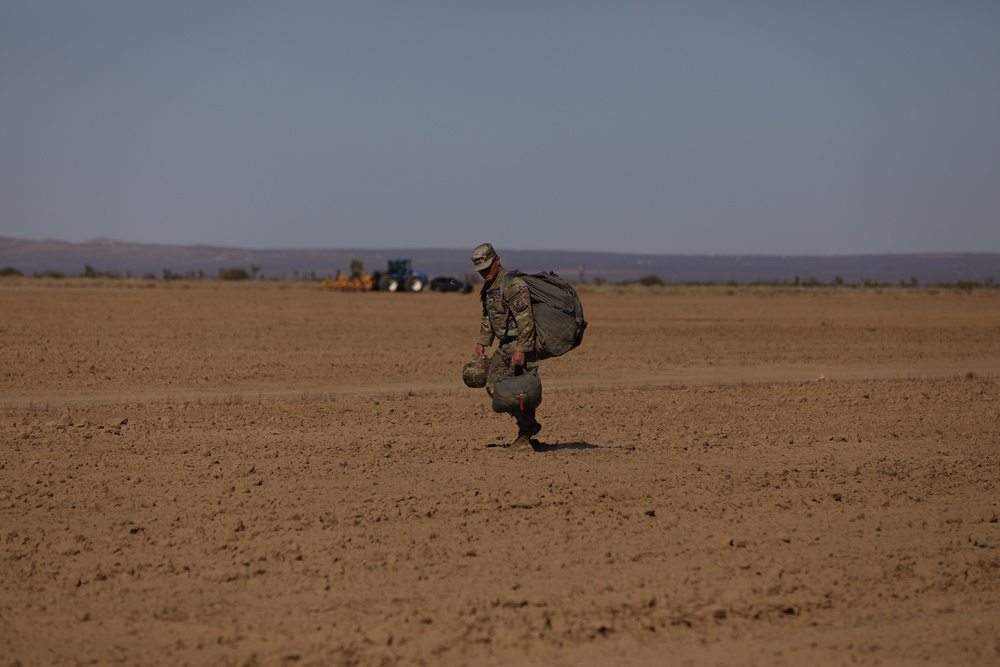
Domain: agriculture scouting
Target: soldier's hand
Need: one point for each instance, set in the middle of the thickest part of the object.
(480, 350)
(517, 359)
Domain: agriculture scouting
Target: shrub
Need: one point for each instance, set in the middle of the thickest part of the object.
(9, 271)
(651, 280)
(234, 274)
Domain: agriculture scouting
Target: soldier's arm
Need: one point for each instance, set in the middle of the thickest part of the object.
(485, 332)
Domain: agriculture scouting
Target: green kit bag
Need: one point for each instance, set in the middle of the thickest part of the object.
(518, 392)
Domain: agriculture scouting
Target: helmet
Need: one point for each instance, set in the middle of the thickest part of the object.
(474, 373)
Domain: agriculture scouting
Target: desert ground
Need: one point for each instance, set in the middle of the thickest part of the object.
(257, 473)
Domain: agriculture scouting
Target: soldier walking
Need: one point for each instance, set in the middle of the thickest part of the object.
(507, 319)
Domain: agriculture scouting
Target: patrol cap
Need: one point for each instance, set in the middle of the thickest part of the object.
(483, 256)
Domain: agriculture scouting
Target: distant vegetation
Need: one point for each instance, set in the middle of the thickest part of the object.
(91, 272)
(838, 281)
(234, 274)
(651, 280)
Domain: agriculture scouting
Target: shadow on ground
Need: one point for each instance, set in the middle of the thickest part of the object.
(549, 447)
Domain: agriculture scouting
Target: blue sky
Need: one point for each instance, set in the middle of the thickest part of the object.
(702, 127)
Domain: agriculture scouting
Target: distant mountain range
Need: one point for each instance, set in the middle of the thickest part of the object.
(139, 259)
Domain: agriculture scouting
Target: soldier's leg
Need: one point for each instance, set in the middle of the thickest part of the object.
(499, 369)
(527, 424)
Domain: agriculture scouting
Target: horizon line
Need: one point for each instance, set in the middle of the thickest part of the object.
(111, 241)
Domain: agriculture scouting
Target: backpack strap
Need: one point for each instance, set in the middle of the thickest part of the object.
(503, 300)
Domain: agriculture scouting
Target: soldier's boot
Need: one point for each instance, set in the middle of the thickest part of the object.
(527, 426)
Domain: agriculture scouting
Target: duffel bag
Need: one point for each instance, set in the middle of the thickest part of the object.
(518, 392)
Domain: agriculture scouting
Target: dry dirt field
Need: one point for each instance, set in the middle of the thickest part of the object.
(273, 474)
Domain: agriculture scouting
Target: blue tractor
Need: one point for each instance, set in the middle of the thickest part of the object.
(400, 276)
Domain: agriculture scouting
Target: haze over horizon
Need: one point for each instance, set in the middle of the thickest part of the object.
(663, 128)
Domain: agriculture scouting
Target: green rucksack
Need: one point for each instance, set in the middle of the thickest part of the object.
(557, 310)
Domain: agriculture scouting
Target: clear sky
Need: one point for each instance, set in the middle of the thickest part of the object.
(655, 126)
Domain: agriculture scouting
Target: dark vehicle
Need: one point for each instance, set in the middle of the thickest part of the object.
(450, 284)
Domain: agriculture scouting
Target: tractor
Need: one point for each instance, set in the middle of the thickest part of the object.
(358, 280)
(399, 276)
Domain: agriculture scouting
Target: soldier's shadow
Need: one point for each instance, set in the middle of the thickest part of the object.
(539, 446)
(555, 446)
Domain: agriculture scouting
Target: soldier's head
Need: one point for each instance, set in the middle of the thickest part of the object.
(486, 261)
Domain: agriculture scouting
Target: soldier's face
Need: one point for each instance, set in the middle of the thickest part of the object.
(490, 272)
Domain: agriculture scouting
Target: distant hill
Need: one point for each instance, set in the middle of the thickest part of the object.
(138, 259)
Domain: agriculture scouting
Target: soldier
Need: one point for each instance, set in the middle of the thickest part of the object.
(507, 319)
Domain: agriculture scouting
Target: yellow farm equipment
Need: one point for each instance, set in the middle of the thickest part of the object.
(357, 280)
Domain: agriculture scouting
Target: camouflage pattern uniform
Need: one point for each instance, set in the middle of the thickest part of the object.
(507, 319)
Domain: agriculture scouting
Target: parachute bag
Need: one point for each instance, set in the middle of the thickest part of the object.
(558, 314)
(518, 392)
(556, 309)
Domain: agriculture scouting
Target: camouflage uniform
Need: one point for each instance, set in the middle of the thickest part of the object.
(507, 319)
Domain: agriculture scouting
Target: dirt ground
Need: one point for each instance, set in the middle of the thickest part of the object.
(273, 474)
